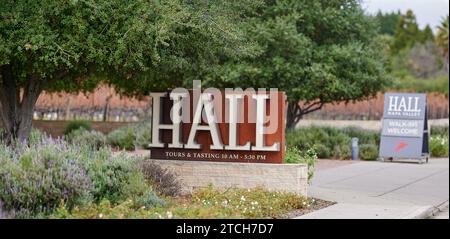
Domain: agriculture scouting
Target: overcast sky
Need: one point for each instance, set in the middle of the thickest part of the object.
(427, 11)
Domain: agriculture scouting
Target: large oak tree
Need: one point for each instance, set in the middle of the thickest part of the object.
(318, 52)
(135, 45)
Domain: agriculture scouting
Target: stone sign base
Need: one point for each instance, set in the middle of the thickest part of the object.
(275, 177)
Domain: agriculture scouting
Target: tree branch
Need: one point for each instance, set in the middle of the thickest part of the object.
(312, 107)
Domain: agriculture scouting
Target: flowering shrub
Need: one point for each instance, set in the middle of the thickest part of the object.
(77, 124)
(439, 146)
(308, 157)
(35, 179)
(114, 177)
(368, 152)
(330, 142)
(122, 138)
(130, 136)
(81, 136)
(163, 180)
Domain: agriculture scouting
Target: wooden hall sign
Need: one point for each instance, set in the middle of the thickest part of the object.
(222, 126)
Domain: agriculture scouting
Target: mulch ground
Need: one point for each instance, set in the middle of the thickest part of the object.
(317, 205)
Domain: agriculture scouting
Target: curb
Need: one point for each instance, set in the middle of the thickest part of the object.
(431, 211)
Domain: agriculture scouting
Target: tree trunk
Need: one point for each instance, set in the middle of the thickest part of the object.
(295, 112)
(292, 115)
(106, 108)
(17, 112)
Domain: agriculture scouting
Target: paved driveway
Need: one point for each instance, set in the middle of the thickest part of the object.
(380, 189)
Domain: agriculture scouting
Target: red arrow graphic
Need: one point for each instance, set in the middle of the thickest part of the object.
(400, 146)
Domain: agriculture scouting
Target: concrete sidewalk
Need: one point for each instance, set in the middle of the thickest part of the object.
(381, 189)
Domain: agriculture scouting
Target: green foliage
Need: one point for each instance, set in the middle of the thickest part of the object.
(342, 151)
(427, 34)
(308, 157)
(442, 36)
(330, 142)
(115, 40)
(368, 152)
(135, 46)
(242, 203)
(35, 180)
(205, 203)
(36, 136)
(388, 22)
(76, 124)
(115, 177)
(364, 136)
(441, 130)
(122, 138)
(143, 132)
(130, 136)
(323, 151)
(82, 136)
(104, 210)
(149, 200)
(163, 181)
(408, 83)
(407, 33)
(439, 146)
(415, 53)
(310, 45)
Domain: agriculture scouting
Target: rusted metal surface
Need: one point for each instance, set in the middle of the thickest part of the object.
(246, 133)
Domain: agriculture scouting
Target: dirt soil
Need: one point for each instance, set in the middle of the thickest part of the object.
(317, 205)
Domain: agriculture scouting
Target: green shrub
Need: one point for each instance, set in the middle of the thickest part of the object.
(93, 138)
(308, 157)
(162, 180)
(115, 177)
(439, 130)
(330, 142)
(364, 136)
(323, 151)
(150, 200)
(143, 132)
(76, 124)
(122, 138)
(343, 151)
(368, 152)
(409, 83)
(37, 136)
(130, 136)
(439, 146)
(35, 179)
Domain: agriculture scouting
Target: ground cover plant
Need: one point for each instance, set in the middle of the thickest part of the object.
(203, 203)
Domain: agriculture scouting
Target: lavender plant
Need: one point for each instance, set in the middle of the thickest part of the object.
(36, 178)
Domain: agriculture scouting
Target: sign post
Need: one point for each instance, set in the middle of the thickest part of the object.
(405, 127)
